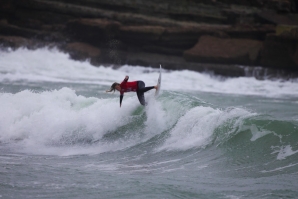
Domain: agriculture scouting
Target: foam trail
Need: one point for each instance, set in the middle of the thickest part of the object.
(285, 151)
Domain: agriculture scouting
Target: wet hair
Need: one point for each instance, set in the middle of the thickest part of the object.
(113, 87)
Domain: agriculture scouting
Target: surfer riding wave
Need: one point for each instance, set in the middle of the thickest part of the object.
(135, 86)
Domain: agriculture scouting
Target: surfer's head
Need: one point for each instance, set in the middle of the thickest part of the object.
(115, 86)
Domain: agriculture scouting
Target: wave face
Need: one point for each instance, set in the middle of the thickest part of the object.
(201, 129)
(60, 122)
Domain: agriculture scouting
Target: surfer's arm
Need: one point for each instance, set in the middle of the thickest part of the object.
(123, 85)
(121, 97)
(125, 79)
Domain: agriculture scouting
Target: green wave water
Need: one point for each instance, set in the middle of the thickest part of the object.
(62, 136)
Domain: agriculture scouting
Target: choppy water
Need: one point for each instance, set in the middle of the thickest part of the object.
(62, 136)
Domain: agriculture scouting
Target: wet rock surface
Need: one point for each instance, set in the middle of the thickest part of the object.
(218, 36)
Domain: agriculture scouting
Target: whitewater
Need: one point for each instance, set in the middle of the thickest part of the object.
(205, 136)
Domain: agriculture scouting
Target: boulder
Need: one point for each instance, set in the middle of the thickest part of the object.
(42, 35)
(248, 31)
(12, 30)
(281, 51)
(139, 32)
(228, 51)
(185, 37)
(140, 35)
(83, 51)
(167, 40)
(272, 17)
(286, 30)
(7, 8)
(14, 42)
(92, 31)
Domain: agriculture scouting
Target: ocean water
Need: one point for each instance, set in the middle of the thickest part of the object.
(63, 136)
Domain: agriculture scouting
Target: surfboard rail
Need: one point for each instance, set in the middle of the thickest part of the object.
(158, 83)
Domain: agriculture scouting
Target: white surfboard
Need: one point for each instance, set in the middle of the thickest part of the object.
(158, 83)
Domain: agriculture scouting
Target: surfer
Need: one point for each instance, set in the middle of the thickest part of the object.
(135, 86)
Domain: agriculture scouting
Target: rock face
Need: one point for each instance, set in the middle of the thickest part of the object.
(179, 34)
(228, 51)
(13, 42)
(281, 50)
(92, 31)
(82, 51)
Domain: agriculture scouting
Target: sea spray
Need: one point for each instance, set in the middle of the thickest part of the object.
(50, 65)
(62, 136)
(58, 117)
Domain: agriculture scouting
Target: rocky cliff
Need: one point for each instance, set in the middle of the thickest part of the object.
(205, 35)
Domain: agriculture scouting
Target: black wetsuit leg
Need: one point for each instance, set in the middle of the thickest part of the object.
(141, 90)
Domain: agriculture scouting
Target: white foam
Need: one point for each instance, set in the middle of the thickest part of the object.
(284, 152)
(197, 127)
(43, 122)
(156, 117)
(279, 168)
(54, 66)
(257, 133)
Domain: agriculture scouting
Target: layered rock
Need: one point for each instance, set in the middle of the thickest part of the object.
(281, 50)
(228, 51)
(14, 42)
(82, 51)
(179, 34)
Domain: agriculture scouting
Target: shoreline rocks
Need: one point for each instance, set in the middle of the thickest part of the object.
(215, 36)
(227, 51)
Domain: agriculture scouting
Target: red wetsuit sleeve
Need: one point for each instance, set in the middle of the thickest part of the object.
(123, 87)
(127, 87)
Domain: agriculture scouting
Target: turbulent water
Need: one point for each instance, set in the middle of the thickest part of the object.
(62, 136)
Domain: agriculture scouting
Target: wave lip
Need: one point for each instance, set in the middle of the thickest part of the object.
(197, 128)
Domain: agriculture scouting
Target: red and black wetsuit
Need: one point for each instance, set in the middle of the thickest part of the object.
(136, 86)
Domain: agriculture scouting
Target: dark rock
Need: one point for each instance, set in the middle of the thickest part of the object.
(12, 30)
(166, 40)
(185, 37)
(177, 63)
(163, 50)
(229, 51)
(255, 32)
(14, 42)
(275, 18)
(281, 51)
(140, 35)
(93, 31)
(7, 8)
(82, 51)
(166, 31)
(42, 35)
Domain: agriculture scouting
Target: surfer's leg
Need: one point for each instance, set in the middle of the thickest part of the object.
(140, 92)
(141, 98)
(142, 88)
